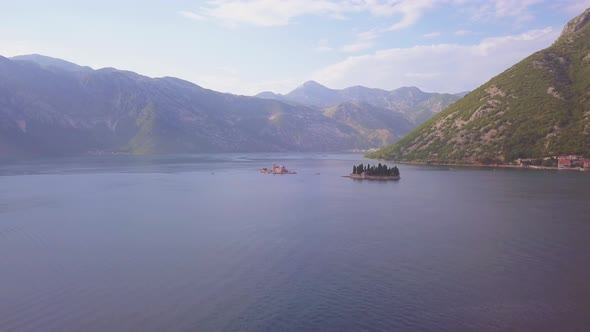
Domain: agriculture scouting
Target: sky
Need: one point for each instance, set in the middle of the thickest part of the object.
(249, 46)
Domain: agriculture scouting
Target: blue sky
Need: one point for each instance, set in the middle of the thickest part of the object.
(249, 46)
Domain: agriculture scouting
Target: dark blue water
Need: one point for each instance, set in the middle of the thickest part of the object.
(207, 243)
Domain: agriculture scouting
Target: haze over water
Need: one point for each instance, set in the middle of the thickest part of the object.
(208, 243)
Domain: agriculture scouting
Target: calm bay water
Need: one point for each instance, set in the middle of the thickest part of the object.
(207, 243)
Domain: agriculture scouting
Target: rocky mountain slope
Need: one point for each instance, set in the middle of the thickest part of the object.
(379, 126)
(539, 107)
(52, 107)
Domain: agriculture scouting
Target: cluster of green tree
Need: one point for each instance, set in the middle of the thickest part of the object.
(379, 170)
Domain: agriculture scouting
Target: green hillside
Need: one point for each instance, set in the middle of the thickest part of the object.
(539, 107)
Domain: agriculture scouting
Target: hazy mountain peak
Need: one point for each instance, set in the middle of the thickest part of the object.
(576, 24)
(268, 95)
(312, 85)
(108, 69)
(314, 94)
(360, 89)
(408, 89)
(48, 62)
(410, 92)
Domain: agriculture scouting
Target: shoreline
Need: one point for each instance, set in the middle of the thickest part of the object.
(537, 168)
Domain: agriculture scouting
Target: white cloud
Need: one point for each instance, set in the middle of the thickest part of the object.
(422, 75)
(576, 7)
(410, 11)
(431, 35)
(267, 13)
(356, 47)
(464, 32)
(364, 41)
(504, 8)
(192, 15)
(493, 9)
(323, 46)
(442, 67)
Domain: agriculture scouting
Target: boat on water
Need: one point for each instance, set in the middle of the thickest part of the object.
(276, 169)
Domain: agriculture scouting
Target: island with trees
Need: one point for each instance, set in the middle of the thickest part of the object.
(374, 172)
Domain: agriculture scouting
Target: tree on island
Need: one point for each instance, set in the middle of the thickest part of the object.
(379, 170)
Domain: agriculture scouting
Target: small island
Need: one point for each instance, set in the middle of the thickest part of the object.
(379, 172)
(276, 169)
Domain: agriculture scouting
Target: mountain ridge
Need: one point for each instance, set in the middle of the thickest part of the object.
(410, 101)
(49, 62)
(53, 111)
(400, 110)
(50, 106)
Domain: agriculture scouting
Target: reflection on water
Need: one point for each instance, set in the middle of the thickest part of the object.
(206, 242)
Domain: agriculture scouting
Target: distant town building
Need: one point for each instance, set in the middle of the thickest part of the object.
(564, 162)
(573, 161)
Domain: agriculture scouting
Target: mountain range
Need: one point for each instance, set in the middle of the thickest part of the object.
(417, 106)
(538, 108)
(51, 107)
